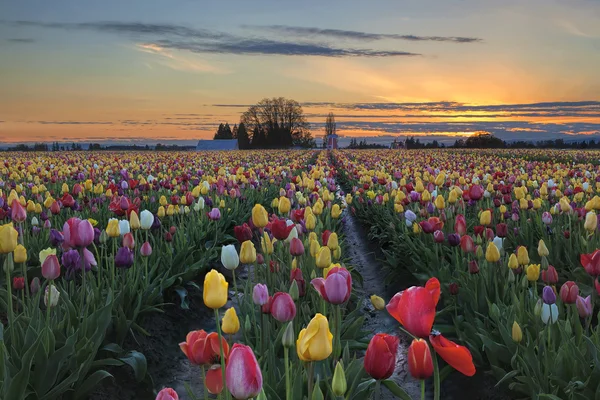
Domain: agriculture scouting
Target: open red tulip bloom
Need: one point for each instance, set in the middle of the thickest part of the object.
(591, 262)
(458, 357)
(202, 348)
(414, 307)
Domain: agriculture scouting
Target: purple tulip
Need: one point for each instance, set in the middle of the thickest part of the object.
(548, 295)
(124, 258)
(260, 294)
(56, 238)
(214, 214)
(453, 239)
(584, 306)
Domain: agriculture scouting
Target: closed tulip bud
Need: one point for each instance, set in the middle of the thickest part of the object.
(260, 217)
(51, 267)
(473, 267)
(283, 308)
(323, 258)
(113, 228)
(134, 221)
(288, 335)
(420, 363)
(380, 357)
(550, 276)
(315, 342)
(377, 302)
(591, 222)
(243, 376)
(229, 257)
(537, 310)
(146, 220)
(584, 306)
(479, 250)
(542, 249)
(20, 254)
(485, 218)
(18, 212)
(513, 262)
(549, 313)
(230, 324)
(533, 272)
(332, 241)
(260, 294)
(522, 255)
(517, 333)
(124, 227)
(161, 212)
(569, 292)
(438, 237)
(491, 253)
(167, 394)
(8, 238)
(247, 323)
(338, 384)
(129, 241)
(548, 295)
(215, 290)
(146, 249)
(310, 222)
(34, 287)
(51, 296)
(284, 205)
(296, 247)
(294, 291)
(314, 247)
(247, 252)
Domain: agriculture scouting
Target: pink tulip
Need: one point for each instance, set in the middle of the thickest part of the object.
(18, 212)
(129, 241)
(51, 267)
(242, 375)
(146, 250)
(283, 308)
(167, 394)
(296, 247)
(336, 287)
(78, 233)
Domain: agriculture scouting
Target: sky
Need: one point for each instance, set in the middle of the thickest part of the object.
(172, 70)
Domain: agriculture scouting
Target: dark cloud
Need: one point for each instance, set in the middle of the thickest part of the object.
(274, 47)
(20, 40)
(357, 35)
(209, 41)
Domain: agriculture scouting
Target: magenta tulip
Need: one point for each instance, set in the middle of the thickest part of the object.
(78, 233)
(51, 267)
(283, 308)
(167, 394)
(18, 212)
(146, 249)
(296, 247)
(242, 375)
(336, 287)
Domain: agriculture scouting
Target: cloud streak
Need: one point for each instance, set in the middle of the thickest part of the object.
(357, 35)
(177, 37)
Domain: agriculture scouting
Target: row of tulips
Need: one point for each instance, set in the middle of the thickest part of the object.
(513, 240)
(90, 244)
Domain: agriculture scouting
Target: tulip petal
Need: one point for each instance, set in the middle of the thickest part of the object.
(319, 285)
(433, 285)
(458, 357)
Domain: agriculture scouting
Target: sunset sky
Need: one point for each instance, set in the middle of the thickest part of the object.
(172, 70)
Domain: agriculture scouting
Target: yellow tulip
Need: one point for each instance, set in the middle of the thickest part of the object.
(312, 236)
(161, 212)
(134, 221)
(522, 255)
(45, 253)
(337, 253)
(439, 202)
(247, 252)
(215, 290)
(315, 342)
(20, 254)
(517, 333)
(513, 263)
(310, 221)
(222, 204)
(266, 243)
(533, 272)
(30, 206)
(425, 196)
(491, 253)
(92, 221)
(314, 248)
(440, 179)
(564, 205)
(336, 211)
(163, 201)
(332, 242)
(260, 218)
(323, 258)
(112, 229)
(231, 323)
(452, 197)
(485, 218)
(295, 263)
(591, 222)
(8, 238)
(542, 249)
(170, 210)
(537, 204)
(377, 302)
(318, 207)
(284, 205)
(348, 198)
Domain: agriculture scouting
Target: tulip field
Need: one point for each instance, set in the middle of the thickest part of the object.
(502, 250)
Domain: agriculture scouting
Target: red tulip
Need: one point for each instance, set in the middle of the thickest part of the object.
(502, 230)
(460, 225)
(280, 230)
(55, 208)
(129, 241)
(283, 308)
(242, 232)
(550, 276)
(380, 358)
(296, 247)
(420, 363)
(467, 244)
(202, 348)
(336, 287)
(78, 233)
(458, 357)
(67, 200)
(475, 192)
(296, 275)
(266, 308)
(18, 282)
(17, 211)
(569, 292)
(243, 375)
(438, 237)
(453, 288)
(167, 394)
(431, 225)
(51, 267)
(325, 237)
(591, 262)
(473, 267)
(297, 215)
(478, 230)
(214, 379)
(414, 307)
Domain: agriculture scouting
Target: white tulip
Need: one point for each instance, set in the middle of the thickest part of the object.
(146, 219)
(230, 257)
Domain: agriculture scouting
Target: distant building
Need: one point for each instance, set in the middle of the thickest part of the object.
(216, 145)
(332, 141)
(396, 144)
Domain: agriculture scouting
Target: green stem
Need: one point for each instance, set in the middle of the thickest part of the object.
(236, 290)
(11, 318)
(310, 377)
(204, 382)
(83, 287)
(422, 389)
(436, 377)
(221, 347)
(376, 395)
(288, 386)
